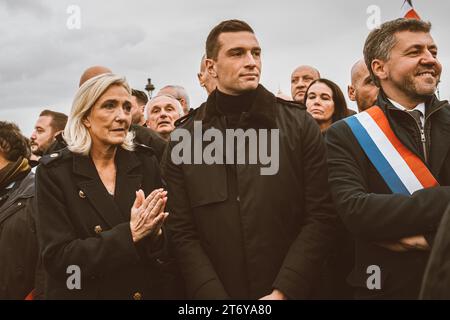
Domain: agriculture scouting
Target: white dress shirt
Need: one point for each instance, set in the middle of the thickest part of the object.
(420, 107)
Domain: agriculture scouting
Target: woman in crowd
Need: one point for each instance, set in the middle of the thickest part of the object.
(325, 102)
(100, 236)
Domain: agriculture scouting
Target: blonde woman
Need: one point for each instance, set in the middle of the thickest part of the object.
(100, 203)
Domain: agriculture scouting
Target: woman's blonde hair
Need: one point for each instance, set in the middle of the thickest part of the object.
(76, 134)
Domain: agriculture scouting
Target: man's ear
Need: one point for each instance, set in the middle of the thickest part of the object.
(380, 69)
(211, 67)
(351, 92)
(56, 133)
(199, 77)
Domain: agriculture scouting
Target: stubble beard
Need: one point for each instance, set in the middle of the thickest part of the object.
(412, 88)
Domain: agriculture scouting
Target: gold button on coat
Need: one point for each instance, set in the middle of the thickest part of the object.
(137, 296)
(81, 194)
(98, 229)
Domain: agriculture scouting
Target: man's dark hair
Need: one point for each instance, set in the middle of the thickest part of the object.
(340, 105)
(380, 41)
(59, 119)
(141, 96)
(212, 42)
(13, 144)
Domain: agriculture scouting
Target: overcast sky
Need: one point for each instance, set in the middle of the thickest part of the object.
(41, 59)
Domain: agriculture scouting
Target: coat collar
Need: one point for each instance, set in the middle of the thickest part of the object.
(431, 105)
(439, 154)
(84, 166)
(112, 210)
(440, 114)
(260, 115)
(21, 189)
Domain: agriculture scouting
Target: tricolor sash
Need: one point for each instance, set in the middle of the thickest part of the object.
(402, 170)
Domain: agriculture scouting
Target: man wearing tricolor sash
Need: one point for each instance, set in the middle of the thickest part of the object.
(390, 165)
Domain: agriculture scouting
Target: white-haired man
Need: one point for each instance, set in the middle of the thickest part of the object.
(162, 112)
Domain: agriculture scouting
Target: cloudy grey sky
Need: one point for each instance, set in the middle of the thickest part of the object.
(41, 59)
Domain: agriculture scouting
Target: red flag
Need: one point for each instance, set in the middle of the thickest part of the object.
(30, 296)
(408, 11)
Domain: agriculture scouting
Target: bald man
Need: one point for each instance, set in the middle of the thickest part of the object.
(93, 72)
(205, 80)
(362, 90)
(300, 80)
(179, 93)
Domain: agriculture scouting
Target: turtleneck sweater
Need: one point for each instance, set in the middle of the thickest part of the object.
(232, 107)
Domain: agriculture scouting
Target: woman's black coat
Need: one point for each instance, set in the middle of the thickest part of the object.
(80, 224)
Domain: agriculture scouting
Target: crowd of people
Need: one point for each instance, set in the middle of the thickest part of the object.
(99, 189)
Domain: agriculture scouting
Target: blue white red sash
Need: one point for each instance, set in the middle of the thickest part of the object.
(402, 170)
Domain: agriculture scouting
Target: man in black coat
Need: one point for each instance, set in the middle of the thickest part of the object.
(394, 230)
(243, 230)
(18, 241)
(149, 138)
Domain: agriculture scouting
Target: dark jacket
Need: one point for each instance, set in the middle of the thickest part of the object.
(150, 138)
(373, 214)
(239, 234)
(81, 224)
(57, 145)
(436, 281)
(18, 241)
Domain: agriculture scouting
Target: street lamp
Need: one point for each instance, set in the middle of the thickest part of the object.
(149, 87)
